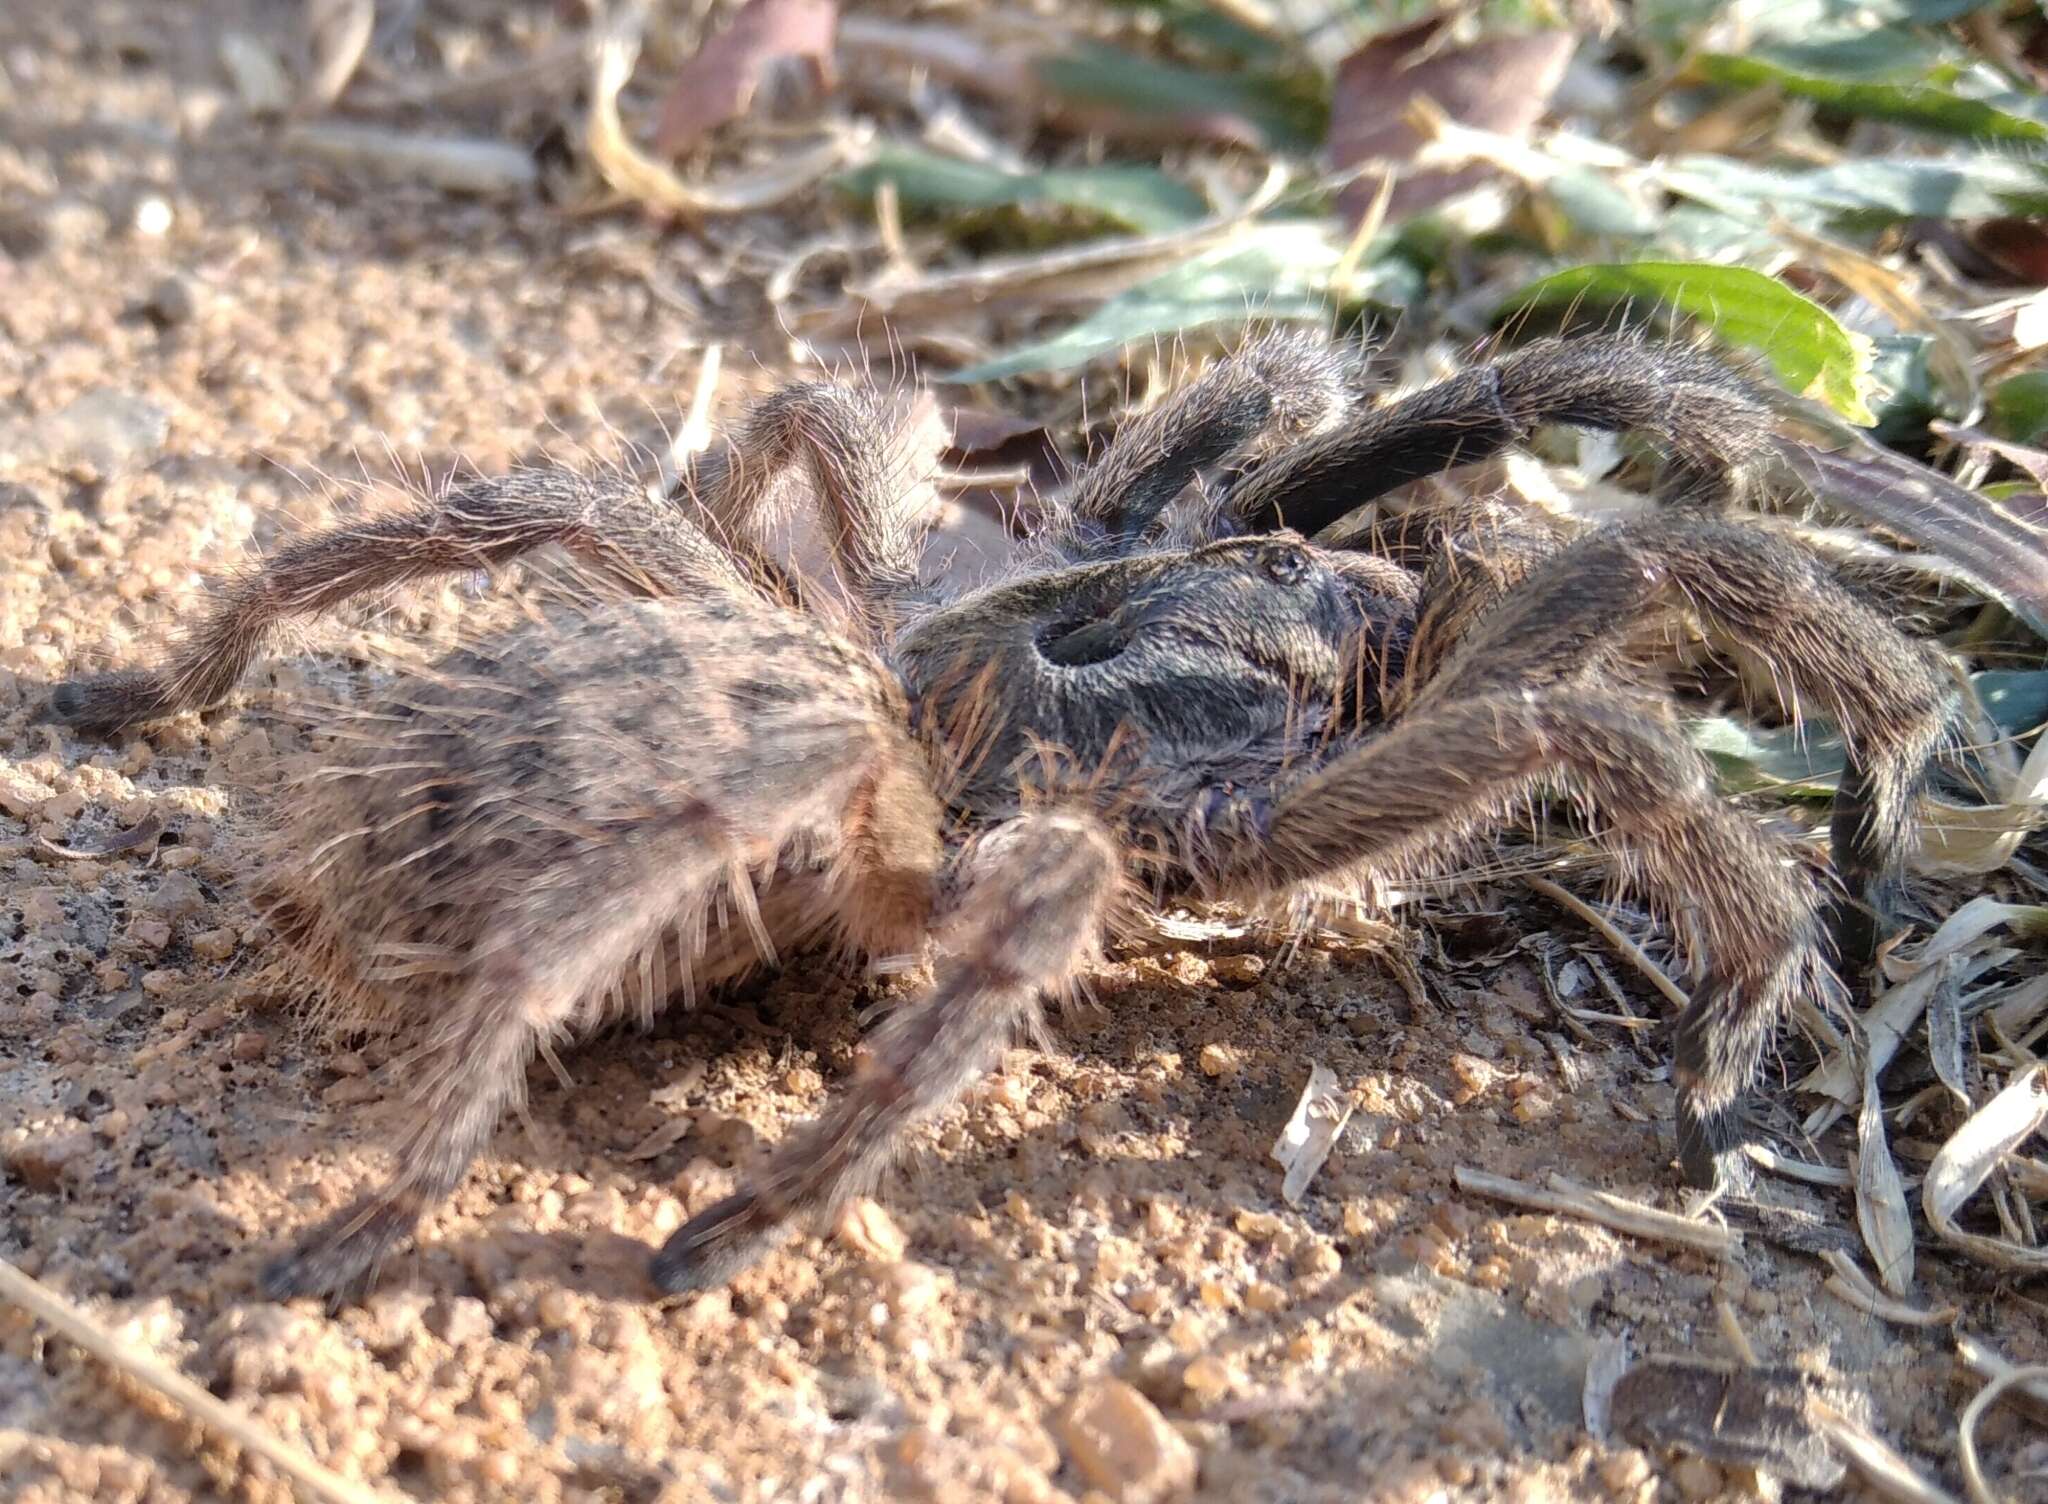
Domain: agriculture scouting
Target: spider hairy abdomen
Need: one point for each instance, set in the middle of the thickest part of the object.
(725, 748)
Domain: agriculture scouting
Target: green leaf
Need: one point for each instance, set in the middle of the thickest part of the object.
(1812, 353)
(1282, 111)
(1799, 765)
(1971, 187)
(1277, 271)
(1923, 106)
(2016, 699)
(1135, 198)
(2019, 408)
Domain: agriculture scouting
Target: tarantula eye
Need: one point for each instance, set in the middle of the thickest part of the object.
(1284, 563)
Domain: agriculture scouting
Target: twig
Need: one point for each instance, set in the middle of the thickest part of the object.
(1614, 937)
(53, 1310)
(1966, 1432)
(1851, 1285)
(1875, 1460)
(1609, 1211)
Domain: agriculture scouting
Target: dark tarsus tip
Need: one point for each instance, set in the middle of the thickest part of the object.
(103, 704)
(715, 1247)
(1710, 1150)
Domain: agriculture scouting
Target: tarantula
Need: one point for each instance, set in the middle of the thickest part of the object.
(1170, 691)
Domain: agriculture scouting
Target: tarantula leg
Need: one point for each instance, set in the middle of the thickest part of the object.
(1035, 892)
(1280, 388)
(536, 976)
(539, 837)
(1742, 909)
(605, 517)
(856, 463)
(1685, 398)
(1890, 695)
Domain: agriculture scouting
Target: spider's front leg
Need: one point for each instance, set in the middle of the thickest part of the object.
(1684, 398)
(1033, 897)
(1746, 915)
(1542, 615)
(1278, 389)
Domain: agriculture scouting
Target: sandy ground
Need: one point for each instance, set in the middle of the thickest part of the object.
(196, 331)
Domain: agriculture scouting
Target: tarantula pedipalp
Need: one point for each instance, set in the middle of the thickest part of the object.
(631, 798)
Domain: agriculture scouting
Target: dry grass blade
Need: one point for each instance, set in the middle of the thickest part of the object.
(1614, 1212)
(1967, 1160)
(143, 833)
(337, 35)
(634, 175)
(1885, 1026)
(1614, 937)
(1093, 270)
(314, 1480)
(1980, 1359)
(1874, 1460)
(1882, 1215)
(1851, 1284)
(455, 164)
(1966, 1433)
(1957, 840)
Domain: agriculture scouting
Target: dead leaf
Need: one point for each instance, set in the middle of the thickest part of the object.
(1968, 1158)
(1746, 1417)
(1311, 1133)
(2017, 246)
(1499, 84)
(776, 52)
(143, 833)
(663, 1139)
(337, 35)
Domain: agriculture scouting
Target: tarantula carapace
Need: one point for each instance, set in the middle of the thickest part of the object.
(1169, 691)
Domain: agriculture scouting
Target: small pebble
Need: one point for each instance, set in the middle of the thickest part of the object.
(1217, 1060)
(1118, 1442)
(868, 1229)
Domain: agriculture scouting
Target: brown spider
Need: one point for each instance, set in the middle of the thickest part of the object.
(642, 793)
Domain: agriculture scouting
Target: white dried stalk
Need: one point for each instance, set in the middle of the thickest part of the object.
(1977, 1148)
(1615, 1212)
(1311, 1133)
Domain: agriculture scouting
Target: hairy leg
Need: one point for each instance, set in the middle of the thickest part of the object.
(849, 450)
(1890, 695)
(1683, 397)
(606, 518)
(1744, 913)
(829, 484)
(543, 835)
(1279, 389)
(1034, 895)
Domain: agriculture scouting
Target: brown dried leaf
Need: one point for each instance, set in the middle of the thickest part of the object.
(776, 51)
(1748, 1417)
(1498, 84)
(143, 833)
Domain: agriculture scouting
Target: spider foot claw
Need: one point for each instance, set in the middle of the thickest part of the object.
(102, 704)
(339, 1260)
(717, 1245)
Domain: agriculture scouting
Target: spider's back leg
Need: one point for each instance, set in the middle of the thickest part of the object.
(844, 456)
(522, 844)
